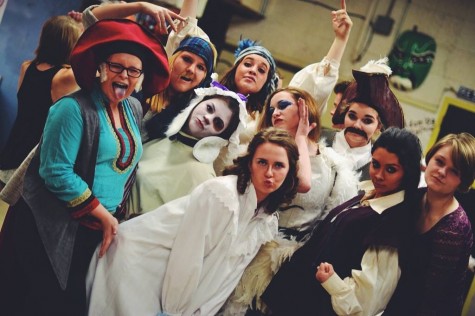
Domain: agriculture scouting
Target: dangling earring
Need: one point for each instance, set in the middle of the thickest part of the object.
(102, 72)
(138, 85)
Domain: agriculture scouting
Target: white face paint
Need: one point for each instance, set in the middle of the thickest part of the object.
(210, 117)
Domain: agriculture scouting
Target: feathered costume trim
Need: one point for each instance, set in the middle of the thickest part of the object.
(243, 44)
(377, 66)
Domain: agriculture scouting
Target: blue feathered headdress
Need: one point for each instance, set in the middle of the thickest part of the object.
(243, 44)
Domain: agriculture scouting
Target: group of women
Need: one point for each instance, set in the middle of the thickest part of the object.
(208, 166)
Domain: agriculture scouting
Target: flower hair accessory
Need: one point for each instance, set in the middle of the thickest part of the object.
(247, 47)
(223, 87)
(243, 44)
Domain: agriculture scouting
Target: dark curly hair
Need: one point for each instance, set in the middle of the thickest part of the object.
(241, 167)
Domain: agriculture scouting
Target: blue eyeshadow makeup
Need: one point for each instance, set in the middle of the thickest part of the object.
(281, 105)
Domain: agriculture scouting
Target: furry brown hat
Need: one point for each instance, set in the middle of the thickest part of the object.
(371, 87)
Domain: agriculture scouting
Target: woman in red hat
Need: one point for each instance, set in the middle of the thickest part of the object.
(76, 182)
(191, 55)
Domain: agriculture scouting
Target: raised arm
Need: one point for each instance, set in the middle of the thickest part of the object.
(187, 27)
(342, 25)
(189, 8)
(301, 138)
(161, 15)
(318, 79)
(63, 84)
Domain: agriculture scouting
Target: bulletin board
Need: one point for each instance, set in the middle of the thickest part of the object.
(419, 117)
(455, 116)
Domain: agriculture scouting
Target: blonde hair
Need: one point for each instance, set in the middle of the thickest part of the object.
(463, 156)
(161, 100)
(265, 119)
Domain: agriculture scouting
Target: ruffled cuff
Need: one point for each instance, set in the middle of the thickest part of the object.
(88, 18)
(189, 27)
(329, 61)
(334, 284)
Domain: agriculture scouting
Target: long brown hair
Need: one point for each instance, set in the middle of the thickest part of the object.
(58, 38)
(241, 167)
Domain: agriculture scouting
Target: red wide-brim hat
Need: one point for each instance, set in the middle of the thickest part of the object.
(110, 36)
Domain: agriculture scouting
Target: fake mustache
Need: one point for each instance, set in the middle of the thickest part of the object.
(356, 131)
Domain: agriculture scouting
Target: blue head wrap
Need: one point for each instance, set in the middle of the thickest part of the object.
(202, 48)
(247, 47)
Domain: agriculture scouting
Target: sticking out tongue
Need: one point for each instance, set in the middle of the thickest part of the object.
(119, 90)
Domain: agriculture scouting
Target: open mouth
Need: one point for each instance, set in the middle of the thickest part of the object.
(120, 89)
(186, 79)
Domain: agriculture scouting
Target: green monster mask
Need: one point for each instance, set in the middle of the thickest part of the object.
(410, 59)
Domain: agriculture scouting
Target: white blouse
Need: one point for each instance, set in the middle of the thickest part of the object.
(333, 182)
(318, 79)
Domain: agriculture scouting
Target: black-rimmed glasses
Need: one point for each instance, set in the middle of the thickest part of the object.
(118, 68)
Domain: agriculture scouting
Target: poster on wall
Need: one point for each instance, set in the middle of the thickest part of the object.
(454, 116)
(3, 5)
(419, 119)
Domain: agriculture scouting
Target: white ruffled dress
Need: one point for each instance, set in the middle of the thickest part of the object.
(184, 258)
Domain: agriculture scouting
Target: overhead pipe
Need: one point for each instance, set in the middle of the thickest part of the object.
(356, 55)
